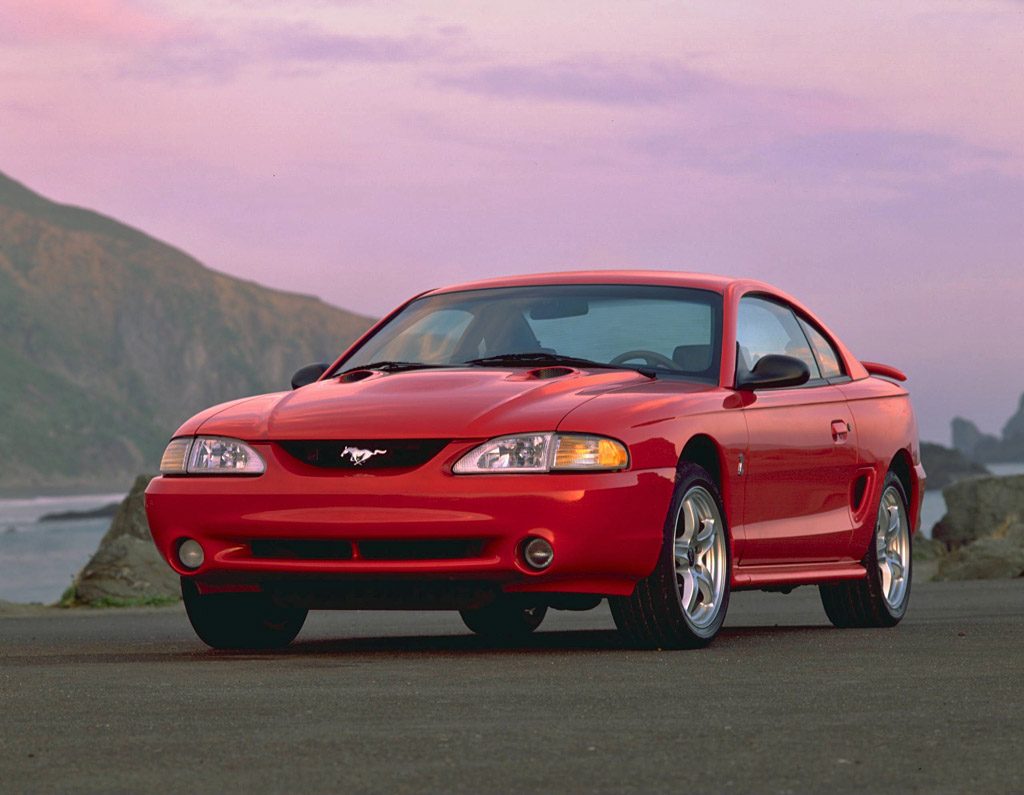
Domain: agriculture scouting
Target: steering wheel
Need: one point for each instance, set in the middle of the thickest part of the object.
(652, 358)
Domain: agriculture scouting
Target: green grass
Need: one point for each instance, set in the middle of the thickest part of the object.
(69, 599)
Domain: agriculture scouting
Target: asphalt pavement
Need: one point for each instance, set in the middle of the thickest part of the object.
(129, 700)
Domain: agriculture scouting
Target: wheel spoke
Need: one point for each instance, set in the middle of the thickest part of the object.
(689, 591)
(883, 565)
(690, 521)
(896, 567)
(682, 558)
(706, 537)
(703, 581)
(894, 522)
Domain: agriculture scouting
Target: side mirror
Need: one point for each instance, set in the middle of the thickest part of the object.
(308, 374)
(774, 372)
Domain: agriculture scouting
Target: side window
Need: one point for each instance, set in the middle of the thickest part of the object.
(827, 355)
(766, 327)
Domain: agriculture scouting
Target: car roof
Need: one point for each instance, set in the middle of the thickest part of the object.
(700, 281)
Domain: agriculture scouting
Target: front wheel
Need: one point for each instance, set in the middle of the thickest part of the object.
(240, 620)
(682, 605)
(881, 599)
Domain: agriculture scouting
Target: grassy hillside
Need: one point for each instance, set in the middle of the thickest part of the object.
(109, 339)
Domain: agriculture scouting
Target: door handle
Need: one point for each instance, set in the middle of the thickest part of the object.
(840, 430)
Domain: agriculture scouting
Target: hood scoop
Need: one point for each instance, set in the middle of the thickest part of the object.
(356, 375)
(555, 371)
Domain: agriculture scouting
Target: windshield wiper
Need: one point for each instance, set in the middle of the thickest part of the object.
(389, 367)
(542, 358)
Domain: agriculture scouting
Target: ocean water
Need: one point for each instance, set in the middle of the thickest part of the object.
(39, 559)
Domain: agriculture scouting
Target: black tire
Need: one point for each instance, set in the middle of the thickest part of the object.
(240, 620)
(862, 603)
(653, 617)
(506, 619)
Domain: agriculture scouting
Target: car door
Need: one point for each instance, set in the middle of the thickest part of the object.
(802, 456)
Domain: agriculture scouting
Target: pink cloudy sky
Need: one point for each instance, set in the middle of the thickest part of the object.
(867, 157)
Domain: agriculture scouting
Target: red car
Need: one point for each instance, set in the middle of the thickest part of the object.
(511, 446)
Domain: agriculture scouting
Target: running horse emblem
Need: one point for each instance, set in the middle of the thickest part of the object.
(359, 456)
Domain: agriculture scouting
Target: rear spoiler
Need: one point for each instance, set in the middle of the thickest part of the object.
(884, 370)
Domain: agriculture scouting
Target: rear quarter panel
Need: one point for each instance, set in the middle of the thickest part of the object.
(884, 425)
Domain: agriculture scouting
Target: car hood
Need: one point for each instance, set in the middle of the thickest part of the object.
(418, 404)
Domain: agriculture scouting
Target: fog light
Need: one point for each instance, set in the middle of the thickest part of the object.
(538, 553)
(190, 554)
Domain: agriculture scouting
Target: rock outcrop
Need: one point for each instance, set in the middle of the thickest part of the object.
(945, 466)
(980, 507)
(126, 568)
(970, 441)
(985, 447)
(998, 556)
(1013, 435)
(983, 529)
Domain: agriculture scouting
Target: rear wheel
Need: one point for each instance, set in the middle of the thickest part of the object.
(240, 620)
(504, 619)
(881, 599)
(682, 605)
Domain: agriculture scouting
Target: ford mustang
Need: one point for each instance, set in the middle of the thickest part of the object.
(513, 446)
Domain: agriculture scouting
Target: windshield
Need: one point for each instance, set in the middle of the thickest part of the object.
(672, 330)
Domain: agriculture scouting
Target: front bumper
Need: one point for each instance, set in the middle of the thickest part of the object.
(606, 528)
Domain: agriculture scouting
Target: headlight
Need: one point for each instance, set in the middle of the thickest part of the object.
(543, 452)
(210, 455)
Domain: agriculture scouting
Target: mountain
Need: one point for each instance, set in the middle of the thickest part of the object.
(109, 339)
(991, 449)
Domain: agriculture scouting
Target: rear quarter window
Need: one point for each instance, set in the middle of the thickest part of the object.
(826, 354)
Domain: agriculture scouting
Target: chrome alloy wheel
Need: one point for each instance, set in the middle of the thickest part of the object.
(700, 555)
(892, 547)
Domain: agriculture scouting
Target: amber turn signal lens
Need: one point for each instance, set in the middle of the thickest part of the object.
(175, 456)
(589, 452)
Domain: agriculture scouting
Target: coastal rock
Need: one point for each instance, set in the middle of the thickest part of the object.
(926, 549)
(970, 441)
(108, 511)
(945, 466)
(999, 556)
(1013, 431)
(980, 507)
(985, 447)
(126, 568)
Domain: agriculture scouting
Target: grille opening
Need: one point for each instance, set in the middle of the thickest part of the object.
(291, 549)
(363, 454)
(426, 549)
(412, 549)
